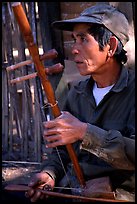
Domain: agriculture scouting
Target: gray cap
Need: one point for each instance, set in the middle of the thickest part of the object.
(103, 14)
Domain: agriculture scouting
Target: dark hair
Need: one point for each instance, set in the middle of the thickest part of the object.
(102, 36)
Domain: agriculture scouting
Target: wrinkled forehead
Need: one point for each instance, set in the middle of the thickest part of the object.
(80, 30)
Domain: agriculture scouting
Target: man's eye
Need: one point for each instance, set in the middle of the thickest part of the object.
(74, 40)
(83, 39)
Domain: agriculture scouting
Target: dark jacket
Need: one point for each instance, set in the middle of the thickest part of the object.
(108, 148)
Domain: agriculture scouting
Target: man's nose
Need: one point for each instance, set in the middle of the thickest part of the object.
(75, 50)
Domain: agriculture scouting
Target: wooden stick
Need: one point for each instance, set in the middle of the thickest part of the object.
(57, 68)
(51, 54)
(20, 162)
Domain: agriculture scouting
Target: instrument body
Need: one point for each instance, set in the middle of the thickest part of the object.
(33, 49)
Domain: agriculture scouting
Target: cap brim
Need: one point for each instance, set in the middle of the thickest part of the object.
(68, 25)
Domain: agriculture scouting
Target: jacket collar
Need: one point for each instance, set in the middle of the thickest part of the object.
(86, 86)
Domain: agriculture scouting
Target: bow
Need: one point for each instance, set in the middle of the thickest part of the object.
(93, 198)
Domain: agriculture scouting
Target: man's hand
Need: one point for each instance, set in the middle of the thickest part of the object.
(63, 130)
(40, 180)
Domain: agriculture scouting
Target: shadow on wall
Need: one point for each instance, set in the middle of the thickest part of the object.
(69, 78)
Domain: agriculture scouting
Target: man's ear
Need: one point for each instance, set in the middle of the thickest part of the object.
(113, 43)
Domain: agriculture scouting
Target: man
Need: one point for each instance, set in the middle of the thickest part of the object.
(99, 114)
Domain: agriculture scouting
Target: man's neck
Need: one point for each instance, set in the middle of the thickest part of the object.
(109, 75)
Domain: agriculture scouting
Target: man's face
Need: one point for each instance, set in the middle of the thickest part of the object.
(89, 59)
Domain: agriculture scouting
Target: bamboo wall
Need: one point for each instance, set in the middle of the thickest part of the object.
(23, 103)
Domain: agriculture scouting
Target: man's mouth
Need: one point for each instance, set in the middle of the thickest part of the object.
(78, 62)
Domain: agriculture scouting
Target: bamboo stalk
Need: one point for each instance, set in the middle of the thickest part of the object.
(5, 111)
(13, 100)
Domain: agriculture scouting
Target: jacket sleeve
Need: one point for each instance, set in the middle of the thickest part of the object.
(113, 147)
